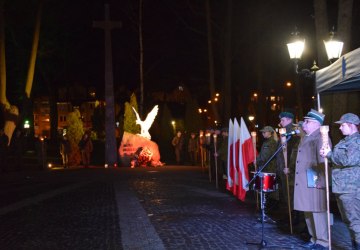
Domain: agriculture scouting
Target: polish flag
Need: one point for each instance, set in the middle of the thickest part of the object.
(246, 156)
(230, 164)
(233, 172)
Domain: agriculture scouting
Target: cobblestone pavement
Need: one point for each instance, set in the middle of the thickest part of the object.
(172, 207)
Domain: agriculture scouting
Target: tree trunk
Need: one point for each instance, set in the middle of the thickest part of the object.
(344, 23)
(141, 64)
(226, 98)
(322, 31)
(211, 60)
(3, 99)
(31, 69)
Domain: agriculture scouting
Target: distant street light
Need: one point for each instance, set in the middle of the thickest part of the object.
(173, 124)
(251, 118)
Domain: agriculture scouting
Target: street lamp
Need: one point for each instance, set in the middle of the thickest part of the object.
(296, 48)
(297, 45)
(333, 47)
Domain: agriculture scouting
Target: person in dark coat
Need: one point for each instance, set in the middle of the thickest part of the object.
(223, 152)
(177, 143)
(86, 147)
(65, 150)
(193, 148)
(286, 121)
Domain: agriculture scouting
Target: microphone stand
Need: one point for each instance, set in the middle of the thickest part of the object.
(263, 243)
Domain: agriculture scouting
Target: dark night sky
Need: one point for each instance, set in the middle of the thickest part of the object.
(72, 52)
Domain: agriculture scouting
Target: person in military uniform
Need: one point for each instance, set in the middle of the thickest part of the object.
(268, 148)
(309, 188)
(223, 152)
(286, 121)
(346, 174)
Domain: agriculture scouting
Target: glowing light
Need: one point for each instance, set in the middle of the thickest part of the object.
(255, 94)
(209, 101)
(251, 118)
(216, 99)
(288, 84)
(106, 165)
(26, 124)
(200, 111)
(217, 94)
(50, 165)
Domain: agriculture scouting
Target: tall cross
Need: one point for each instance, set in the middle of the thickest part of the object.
(110, 140)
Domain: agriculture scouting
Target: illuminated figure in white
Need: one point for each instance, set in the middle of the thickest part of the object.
(146, 124)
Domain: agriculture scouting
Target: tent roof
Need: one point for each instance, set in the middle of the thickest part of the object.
(342, 75)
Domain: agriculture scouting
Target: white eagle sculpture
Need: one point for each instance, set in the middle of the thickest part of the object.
(146, 124)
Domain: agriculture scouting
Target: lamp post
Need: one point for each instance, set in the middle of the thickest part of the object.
(296, 48)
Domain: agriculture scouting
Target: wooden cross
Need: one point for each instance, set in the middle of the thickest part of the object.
(110, 140)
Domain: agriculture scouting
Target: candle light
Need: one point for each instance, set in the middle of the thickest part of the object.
(324, 135)
(281, 132)
(253, 136)
(207, 138)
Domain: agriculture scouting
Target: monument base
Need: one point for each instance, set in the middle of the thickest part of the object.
(138, 151)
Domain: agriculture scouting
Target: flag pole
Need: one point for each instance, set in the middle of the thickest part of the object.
(253, 136)
(207, 135)
(325, 143)
(216, 163)
(201, 146)
(284, 145)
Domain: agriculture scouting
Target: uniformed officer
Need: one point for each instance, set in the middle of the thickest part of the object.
(286, 121)
(346, 174)
(309, 188)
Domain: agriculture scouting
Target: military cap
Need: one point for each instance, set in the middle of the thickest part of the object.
(286, 114)
(267, 129)
(315, 115)
(349, 118)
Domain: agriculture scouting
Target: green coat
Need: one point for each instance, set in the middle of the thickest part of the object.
(268, 148)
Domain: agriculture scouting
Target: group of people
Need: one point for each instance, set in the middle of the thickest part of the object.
(301, 170)
(85, 146)
(200, 149)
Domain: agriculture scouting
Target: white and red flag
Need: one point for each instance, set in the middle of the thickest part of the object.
(246, 156)
(230, 164)
(234, 157)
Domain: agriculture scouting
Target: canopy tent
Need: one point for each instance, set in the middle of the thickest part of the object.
(342, 75)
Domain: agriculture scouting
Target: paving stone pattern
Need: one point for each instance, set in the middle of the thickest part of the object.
(172, 207)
